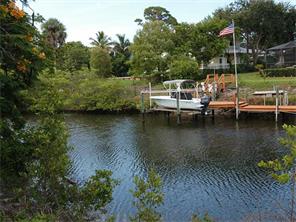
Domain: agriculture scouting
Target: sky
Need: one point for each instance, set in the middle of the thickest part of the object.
(83, 18)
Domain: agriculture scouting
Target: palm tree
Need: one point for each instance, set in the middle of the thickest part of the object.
(54, 32)
(102, 40)
(122, 45)
(55, 35)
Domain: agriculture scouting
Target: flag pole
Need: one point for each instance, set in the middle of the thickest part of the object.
(235, 70)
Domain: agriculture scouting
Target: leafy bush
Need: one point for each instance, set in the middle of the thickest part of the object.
(184, 68)
(280, 72)
(73, 56)
(85, 91)
(148, 196)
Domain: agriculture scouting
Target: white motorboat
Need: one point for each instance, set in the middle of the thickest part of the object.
(185, 88)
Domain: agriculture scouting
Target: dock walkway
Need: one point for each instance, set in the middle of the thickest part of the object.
(245, 107)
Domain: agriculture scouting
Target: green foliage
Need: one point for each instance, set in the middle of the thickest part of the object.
(184, 68)
(152, 49)
(284, 169)
(205, 218)
(47, 170)
(120, 56)
(73, 56)
(102, 41)
(84, 91)
(279, 72)
(157, 13)
(120, 65)
(100, 61)
(148, 195)
(21, 56)
(200, 40)
(98, 190)
(157, 44)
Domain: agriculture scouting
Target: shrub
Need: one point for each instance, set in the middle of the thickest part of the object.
(241, 68)
(280, 72)
(184, 68)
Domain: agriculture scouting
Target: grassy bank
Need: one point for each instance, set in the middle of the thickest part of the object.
(250, 82)
(85, 91)
(257, 82)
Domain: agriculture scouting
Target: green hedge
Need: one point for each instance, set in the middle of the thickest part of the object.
(241, 68)
(279, 72)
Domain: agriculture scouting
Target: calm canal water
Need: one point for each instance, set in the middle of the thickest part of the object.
(206, 166)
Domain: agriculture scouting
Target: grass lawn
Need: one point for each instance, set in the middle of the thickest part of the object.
(255, 81)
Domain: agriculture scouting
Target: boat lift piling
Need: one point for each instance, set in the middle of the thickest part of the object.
(277, 104)
(178, 108)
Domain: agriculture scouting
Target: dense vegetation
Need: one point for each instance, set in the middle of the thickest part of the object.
(84, 91)
(281, 72)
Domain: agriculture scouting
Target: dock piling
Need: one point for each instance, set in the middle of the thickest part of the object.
(178, 108)
(237, 103)
(150, 102)
(142, 106)
(277, 104)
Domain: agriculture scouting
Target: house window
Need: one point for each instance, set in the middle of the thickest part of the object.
(220, 60)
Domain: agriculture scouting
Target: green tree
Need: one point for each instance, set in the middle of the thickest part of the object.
(284, 169)
(100, 61)
(200, 40)
(73, 56)
(157, 13)
(54, 32)
(102, 40)
(120, 56)
(55, 35)
(152, 49)
(21, 57)
(122, 45)
(148, 195)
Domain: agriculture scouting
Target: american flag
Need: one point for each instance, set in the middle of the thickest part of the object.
(227, 30)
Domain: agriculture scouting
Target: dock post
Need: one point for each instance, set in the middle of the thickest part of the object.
(237, 103)
(178, 108)
(150, 102)
(285, 98)
(214, 90)
(142, 105)
(277, 104)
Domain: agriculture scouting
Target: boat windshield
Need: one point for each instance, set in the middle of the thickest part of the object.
(183, 84)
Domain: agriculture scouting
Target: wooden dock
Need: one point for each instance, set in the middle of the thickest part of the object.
(245, 107)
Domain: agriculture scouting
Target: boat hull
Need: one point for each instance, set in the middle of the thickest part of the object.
(168, 102)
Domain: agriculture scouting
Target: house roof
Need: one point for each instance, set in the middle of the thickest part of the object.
(288, 45)
(238, 49)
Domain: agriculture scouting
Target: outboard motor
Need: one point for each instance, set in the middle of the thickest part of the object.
(205, 101)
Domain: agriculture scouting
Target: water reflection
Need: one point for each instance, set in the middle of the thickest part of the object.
(206, 166)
